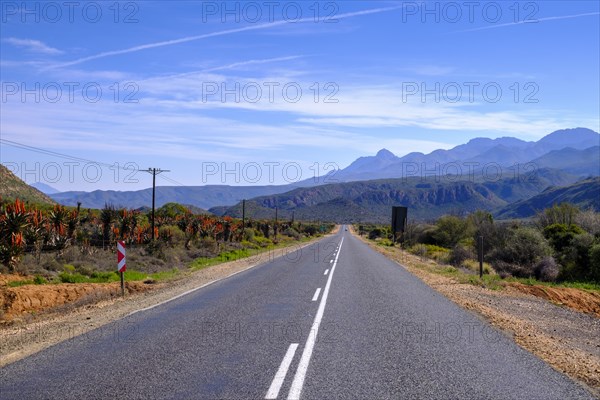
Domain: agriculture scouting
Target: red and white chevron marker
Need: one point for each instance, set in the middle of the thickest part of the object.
(121, 256)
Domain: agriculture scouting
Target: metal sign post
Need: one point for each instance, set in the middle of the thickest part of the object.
(399, 215)
(481, 256)
(121, 266)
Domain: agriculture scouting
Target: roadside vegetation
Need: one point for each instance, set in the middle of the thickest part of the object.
(56, 244)
(558, 247)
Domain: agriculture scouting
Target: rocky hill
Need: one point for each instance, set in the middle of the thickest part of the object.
(13, 187)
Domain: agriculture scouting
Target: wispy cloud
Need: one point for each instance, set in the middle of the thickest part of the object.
(529, 22)
(225, 32)
(21, 64)
(32, 45)
(168, 79)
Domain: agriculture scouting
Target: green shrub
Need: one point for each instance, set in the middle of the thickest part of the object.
(419, 250)
(438, 253)
(460, 254)
(594, 254)
(310, 230)
(449, 270)
(432, 248)
(69, 268)
(473, 265)
(233, 255)
(249, 245)
(560, 236)
(19, 283)
(66, 277)
(522, 249)
(263, 241)
(291, 232)
(172, 235)
(375, 233)
(105, 276)
(248, 234)
(575, 258)
(155, 249)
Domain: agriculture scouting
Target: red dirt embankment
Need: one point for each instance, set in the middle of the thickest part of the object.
(577, 299)
(16, 301)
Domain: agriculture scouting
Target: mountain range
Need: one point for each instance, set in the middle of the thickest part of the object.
(574, 146)
(483, 173)
(575, 151)
(204, 197)
(585, 194)
(371, 201)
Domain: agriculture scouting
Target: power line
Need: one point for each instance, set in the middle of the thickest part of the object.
(75, 158)
(170, 180)
(61, 155)
(153, 171)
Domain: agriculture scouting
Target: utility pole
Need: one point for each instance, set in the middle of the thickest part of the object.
(480, 256)
(275, 223)
(154, 172)
(243, 215)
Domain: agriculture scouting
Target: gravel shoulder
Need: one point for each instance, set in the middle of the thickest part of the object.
(566, 339)
(31, 334)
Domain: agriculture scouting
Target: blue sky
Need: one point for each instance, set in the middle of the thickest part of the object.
(271, 92)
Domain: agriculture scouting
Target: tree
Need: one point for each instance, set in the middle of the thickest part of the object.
(107, 215)
(482, 224)
(450, 230)
(561, 235)
(563, 213)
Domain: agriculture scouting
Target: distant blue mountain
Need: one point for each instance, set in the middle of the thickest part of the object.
(562, 157)
(578, 162)
(505, 151)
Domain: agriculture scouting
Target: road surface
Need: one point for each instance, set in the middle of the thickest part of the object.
(335, 320)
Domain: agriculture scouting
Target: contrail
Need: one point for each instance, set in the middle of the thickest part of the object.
(227, 66)
(212, 34)
(252, 62)
(529, 21)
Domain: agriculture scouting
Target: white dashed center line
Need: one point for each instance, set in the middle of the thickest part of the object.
(316, 296)
(281, 372)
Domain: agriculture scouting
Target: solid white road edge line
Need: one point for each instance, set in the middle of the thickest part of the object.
(316, 296)
(273, 391)
(298, 381)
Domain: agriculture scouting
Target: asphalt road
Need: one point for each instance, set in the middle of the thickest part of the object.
(333, 321)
